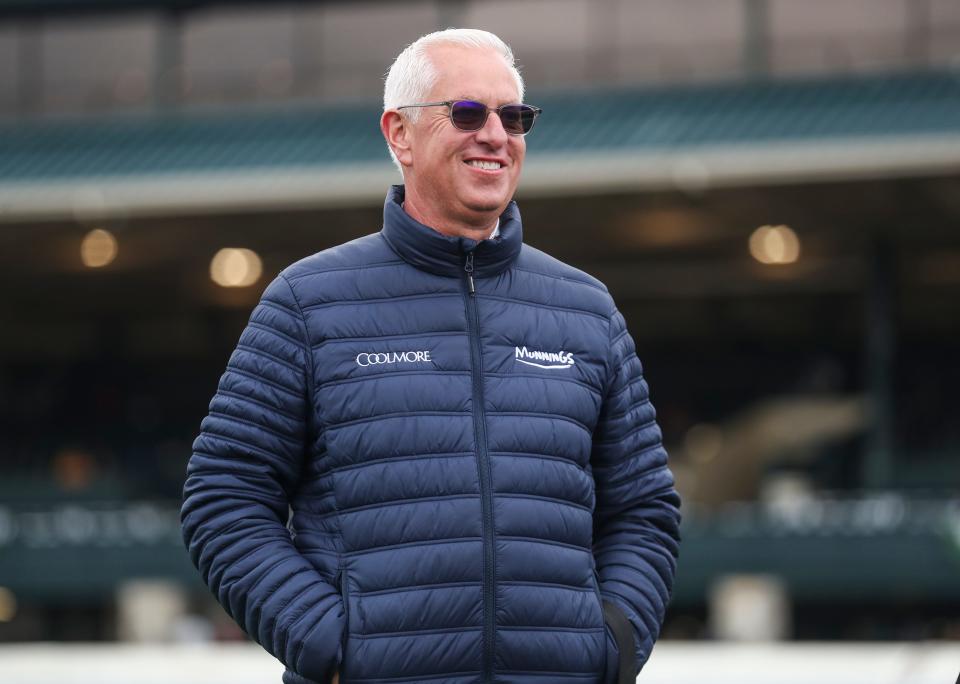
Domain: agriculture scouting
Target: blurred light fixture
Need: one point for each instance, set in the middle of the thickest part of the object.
(235, 267)
(73, 469)
(8, 605)
(775, 245)
(99, 248)
(665, 228)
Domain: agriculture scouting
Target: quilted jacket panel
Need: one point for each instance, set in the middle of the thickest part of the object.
(428, 460)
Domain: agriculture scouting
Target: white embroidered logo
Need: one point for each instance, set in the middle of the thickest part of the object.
(377, 358)
(560, 359)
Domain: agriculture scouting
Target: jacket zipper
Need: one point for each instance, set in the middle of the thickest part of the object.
(483, 465)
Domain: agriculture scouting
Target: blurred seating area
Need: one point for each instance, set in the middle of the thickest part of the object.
(99, 429)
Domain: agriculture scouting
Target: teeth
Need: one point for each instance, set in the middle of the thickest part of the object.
(484, 164)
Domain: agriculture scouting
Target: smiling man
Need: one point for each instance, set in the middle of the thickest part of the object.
(433, 456)
(458, 184)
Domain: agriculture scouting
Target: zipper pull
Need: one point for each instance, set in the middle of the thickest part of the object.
(468, 267)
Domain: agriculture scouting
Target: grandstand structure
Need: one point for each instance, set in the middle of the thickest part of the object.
(771, 192)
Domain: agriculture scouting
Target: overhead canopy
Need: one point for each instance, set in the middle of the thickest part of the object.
(26, 8)
(690, 137)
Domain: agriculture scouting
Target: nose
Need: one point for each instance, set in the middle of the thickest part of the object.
(492, 133)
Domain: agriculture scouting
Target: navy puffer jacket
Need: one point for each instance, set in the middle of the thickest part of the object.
(432, 459)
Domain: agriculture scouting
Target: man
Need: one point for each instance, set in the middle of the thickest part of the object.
(432, 456)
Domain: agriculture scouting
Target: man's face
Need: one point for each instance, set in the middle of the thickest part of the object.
(441, 173)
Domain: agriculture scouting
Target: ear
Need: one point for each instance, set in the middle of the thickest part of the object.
(398, 134)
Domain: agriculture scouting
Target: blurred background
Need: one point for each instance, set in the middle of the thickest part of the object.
(770, 188)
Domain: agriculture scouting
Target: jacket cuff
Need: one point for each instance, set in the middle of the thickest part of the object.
(321, 652)
(291, 677)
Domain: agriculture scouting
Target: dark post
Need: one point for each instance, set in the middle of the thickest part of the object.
(878, 461)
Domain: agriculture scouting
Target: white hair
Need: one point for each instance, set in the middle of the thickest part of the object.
(412, 75)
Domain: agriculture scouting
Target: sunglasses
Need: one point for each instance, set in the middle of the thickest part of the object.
(467, 115)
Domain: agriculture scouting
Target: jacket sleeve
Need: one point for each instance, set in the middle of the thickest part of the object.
(245, 464)
(637, 518)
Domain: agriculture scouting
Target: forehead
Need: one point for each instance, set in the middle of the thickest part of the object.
(480, 73)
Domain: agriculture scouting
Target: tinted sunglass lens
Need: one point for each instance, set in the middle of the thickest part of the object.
(517, 119)
(468, 115)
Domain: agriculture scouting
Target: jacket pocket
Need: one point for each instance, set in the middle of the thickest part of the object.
(344, 583)
(596, 590)
(607, 661)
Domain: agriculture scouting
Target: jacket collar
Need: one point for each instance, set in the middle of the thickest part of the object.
(431, 250)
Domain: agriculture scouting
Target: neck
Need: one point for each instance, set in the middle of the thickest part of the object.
(430, 250)
(427, 214)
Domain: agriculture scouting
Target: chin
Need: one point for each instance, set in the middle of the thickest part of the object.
(487, 203)
(484, 211)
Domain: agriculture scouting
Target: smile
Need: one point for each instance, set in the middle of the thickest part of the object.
(487, 165)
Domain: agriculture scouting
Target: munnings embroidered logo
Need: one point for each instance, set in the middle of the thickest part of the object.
(560, 359)
(378, 358)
